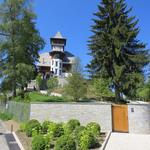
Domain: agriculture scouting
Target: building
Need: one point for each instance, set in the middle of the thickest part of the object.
(58, 62)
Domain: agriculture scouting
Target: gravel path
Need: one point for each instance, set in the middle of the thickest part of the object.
(125, 141)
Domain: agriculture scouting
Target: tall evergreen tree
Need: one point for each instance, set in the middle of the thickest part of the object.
(19, 40)
(116, 52)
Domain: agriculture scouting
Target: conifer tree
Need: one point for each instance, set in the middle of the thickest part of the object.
(116, 52)
(19, 40)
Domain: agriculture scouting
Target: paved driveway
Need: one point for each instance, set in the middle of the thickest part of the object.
(125, 141)
(7, 140)
(3, 142)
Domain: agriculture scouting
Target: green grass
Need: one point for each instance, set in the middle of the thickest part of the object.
(5, 116)
(37, 97)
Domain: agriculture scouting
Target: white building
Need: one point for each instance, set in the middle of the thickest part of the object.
(58, 62)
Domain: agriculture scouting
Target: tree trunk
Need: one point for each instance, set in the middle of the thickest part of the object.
(22, 92)
(117, 93)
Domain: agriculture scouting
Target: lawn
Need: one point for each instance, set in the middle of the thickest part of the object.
(38, 97)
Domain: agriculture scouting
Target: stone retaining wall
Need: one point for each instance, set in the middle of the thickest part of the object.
(62, 112)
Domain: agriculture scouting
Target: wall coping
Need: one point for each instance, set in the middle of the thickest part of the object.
(71, 103)
(82, 103)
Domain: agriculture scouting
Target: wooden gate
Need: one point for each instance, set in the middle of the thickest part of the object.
(120, 118)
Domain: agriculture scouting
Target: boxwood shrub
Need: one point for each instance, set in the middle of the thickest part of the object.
(86, 140)
(94, 128)
(32, 125)
(45, 126)
(65, 142)
(55, 130)
(71, 125)
(38, 143)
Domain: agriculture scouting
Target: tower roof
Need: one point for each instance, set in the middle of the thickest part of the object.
(58, 36)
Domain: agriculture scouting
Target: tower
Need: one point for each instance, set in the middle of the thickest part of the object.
(58, 43)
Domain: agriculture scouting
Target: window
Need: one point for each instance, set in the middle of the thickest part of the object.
(52, 62)
(55, 71)
(60, 72)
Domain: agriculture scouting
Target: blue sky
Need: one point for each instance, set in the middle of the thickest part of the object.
(73, 19)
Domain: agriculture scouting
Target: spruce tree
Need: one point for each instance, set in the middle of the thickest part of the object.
(116, 52)
(19, 40)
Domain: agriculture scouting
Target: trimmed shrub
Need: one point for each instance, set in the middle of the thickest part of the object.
(65, 142)
(32, 125)
(94, 128)
(38, 143)
(55, 130)
(87, 140)
(77, 132)
(45, 126)
(71, 125)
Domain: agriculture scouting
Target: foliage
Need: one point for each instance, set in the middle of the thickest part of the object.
(71, 125)
(100, 88)
(76, 86)
(38, 143)
(20, 42)
(41, 83)
(22, 127)
(86, 140)
(52, 83)
(116, 52)
(78, 137)
(65, 142)
(24, 74)
(5, 116)
(144, 91)
(45, 126)
(55, 130)
(132, 83)
(77, 132)
(32, 124)
(94, 128)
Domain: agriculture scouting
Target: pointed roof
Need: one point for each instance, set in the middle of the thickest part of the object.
(58, 36)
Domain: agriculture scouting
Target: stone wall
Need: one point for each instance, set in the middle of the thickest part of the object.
(138, 114)
(62, 112)
(139, 118)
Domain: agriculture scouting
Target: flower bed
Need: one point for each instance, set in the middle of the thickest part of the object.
(60, 136)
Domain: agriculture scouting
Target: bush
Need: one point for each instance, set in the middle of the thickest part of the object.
(22, 127)
(52, 83)
(38, 143)
(94, 128)
(77, 132)
(55, 130)
(65, 143)
(45, 126)
(71, 125)
(87, 140)
(32, 125)
(5, 116)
